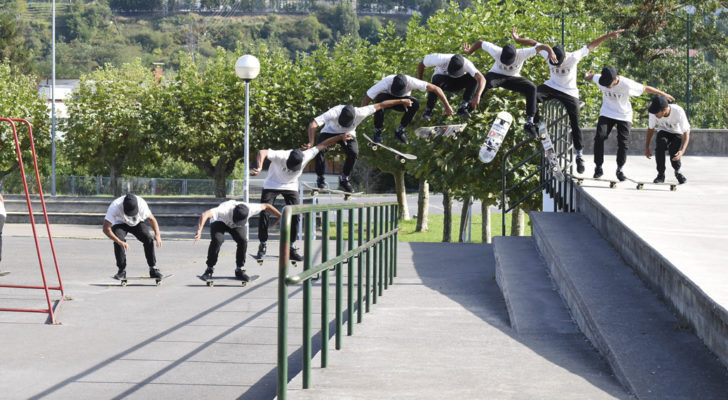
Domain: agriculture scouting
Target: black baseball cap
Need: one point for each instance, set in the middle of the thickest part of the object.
(131, 205)
(508, 54)
(295, 159)
(560, 54)
(456, 64)
(240, 213)
(608, 75)
(659, 103)
(346, 118)
(399, 85)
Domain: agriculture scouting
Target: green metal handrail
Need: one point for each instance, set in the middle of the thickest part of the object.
(372, 276)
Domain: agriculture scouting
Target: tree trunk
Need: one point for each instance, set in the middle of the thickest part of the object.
(114, 181)
(220, 187)
(401, 195)
(486, 228)
(517, 221)
(447, 221)
(423, 206)
(464, 215)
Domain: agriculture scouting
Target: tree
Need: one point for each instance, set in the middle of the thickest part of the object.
(19, 98)
(12, 42)
(110, 126)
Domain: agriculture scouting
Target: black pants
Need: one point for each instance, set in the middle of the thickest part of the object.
(217, 236)
(268, 197)
(144, 233)
(604, 127)
(351, 148)
(2, 224)
(670, 142)
(545, 93)
(406, 118)
(449, 84)
(516, 84)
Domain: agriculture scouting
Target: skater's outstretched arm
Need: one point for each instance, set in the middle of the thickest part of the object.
(406, 103)
(155, 227)
(420, 70)
(271, 208)
(262, 155)
(108, 232)
(548, 49)
(338, 138)
(478, 92)
(524, 41)
(440, 95)
(312, 127)
(648, 139)
(650, 89)
(596, 42)
(201, 223)
(471, 49)
(365, 101)
(683, 146)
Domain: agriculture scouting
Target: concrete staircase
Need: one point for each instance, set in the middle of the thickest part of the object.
(652, 352)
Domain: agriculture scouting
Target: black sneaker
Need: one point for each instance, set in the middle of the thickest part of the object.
(120, 275)
(427, 115)
(240, 274)
(680, 178)
(621, 176)
(321, 182)
(400, 135)
(531, 129)
(261, 250)
(660, 178)
(293, 255)
(207, 275)
(154, 272)
(598, 172)
(580, 165)
(377, 136)
(345, 183)
(463, 112)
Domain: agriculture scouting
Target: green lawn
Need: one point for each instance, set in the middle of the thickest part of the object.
(434, 234)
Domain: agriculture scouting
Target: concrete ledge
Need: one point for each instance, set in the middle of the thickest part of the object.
(642, 340)
(708, 318)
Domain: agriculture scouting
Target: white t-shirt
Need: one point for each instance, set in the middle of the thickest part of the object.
(2, 209)
(441, 61)
(563, 77)
(115, 213)
(279, 176)
(330, 119)
(224, 213)
(676, 122)
(385, 85)
(510, 70)
(615, 100)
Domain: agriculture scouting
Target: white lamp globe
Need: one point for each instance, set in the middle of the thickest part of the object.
(247, 67)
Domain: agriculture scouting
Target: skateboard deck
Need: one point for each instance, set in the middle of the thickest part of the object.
(158, 281)
(3, 273)
(211, 282)
(315, 191)
(402, 157)
(259, 260)
(497, 133)
(580, 180)
(550, 153)
(641, 184)
(431, 132)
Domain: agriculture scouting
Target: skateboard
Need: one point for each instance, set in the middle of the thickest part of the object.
(641, 184)
(315, 191)
(158, 281)
(497, 133)
(259, 260)
(3, 273)
(431, 132)
(580, 180)
(211, 282)
(550, 153)
(402, 157)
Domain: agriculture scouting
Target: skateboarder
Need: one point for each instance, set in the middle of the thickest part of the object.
(229, 217)
(286, 166)
(129, 214)
(338, 120)
(453, 73)
(395, 87)
(562, 84)
(506, 73)
(673, 135)
(616, 110)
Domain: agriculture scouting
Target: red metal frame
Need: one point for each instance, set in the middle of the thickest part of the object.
(51, 311)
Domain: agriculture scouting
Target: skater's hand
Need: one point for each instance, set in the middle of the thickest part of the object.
(615, 33)
(678, 155)
(198, 235)
(589, 75)
(158, 239)
(648, 154)
(448, 110)
(346, 137)
(467, 49)
(254, 171)
(474, 102)
(307, 146)
(406, 103)
(124, 245)
(514, 34)
(669, 98)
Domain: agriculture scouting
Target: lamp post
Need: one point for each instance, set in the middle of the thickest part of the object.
(247, 68)
(689, 10)
(53, 98)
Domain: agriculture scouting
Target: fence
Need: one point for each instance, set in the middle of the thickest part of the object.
(378, 222)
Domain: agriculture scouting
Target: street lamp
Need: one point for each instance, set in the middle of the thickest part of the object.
(689, 10)
(247, 68)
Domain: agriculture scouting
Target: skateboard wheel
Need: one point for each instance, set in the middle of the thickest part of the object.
(159, 282)
(294, 264)
(640, 186)
(123, 282)
(210, 283)
(374, 147)
(579, 182)
(673, 188)
(260, 262)
(346, 198)
(612, 185)
(315, 193)
(244, 283)
(402, 160)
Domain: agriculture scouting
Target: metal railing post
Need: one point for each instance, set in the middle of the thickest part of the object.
(350, 279)
(307, 263)
(369, 260)
(396, 239)
(375, 253)
(359, 267)
(282, 356)
(386, 265)
(324, 290)
(380, 262)
(339, 276)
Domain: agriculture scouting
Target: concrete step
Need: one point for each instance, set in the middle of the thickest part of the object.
(533, 302)
(649, 349)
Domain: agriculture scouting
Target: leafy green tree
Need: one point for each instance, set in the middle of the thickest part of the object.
(110, 127)
(12, 42)
(19, 98)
